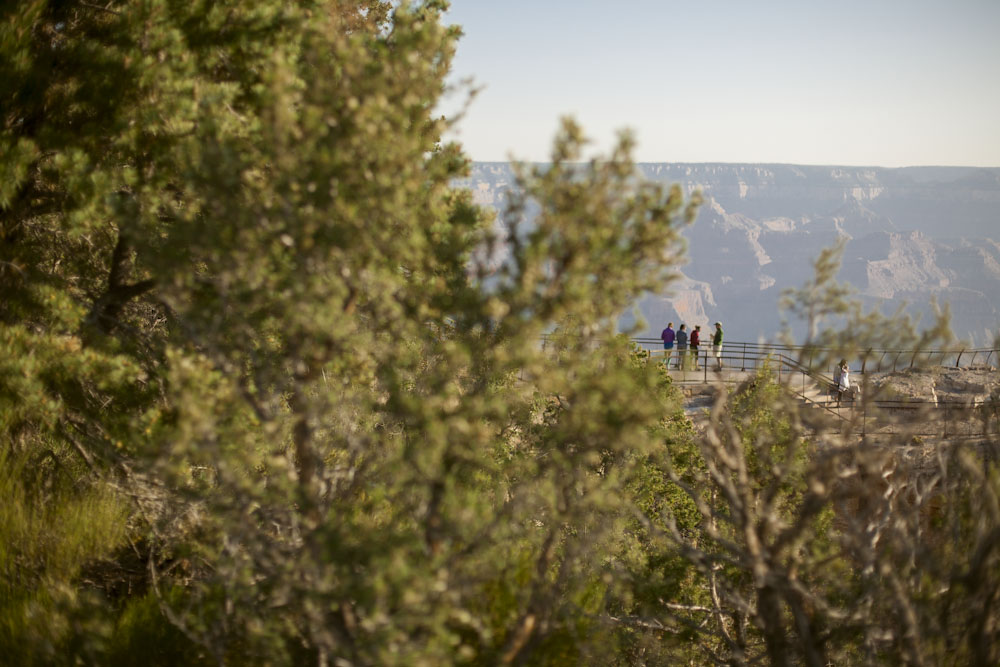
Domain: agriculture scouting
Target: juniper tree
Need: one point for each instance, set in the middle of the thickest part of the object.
(244, 309)
(267, 395)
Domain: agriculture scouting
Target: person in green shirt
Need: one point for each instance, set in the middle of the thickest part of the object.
(717, 344)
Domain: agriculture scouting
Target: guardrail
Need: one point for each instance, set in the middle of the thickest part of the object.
(868, 416)
(742, 360)
(871, 360)
(795, 367)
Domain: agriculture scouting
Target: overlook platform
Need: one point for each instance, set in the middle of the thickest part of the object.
(901, 391)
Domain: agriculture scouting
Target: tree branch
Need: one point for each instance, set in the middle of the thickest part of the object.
(108, 307)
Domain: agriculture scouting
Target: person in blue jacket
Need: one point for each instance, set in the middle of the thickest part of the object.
(668, 343)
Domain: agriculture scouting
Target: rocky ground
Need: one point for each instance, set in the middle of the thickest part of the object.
(971, 386)
(904, 402)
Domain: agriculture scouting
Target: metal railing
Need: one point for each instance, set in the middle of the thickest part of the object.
(870, 416)
(871, 360)
(798, 368)
(706, 365)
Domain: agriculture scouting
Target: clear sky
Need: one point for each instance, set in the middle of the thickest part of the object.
(846, 82)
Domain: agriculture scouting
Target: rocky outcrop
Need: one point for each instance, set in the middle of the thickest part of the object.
(687, 301)
(896, 263)
(913, 235)
(939, 385)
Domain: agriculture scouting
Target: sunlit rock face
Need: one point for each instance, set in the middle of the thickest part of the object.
(912, 235)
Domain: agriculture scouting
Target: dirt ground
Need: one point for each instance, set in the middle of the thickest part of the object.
(944, 385)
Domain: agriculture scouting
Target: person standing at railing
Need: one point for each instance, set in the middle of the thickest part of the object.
(695, 342)
(668, 343)
(717, 344)
(844, 382)
(836, 374)
(682, 347)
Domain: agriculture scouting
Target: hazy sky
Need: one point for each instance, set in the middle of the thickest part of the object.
(878, 82)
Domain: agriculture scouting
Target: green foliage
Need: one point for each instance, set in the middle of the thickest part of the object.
(142, 629)
(50, 527)
(774, 447)
(273, 391)
(241, 280)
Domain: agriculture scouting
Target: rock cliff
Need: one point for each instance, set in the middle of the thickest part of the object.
(913, 234)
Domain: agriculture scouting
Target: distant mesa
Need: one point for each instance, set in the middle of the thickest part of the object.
(914, 234)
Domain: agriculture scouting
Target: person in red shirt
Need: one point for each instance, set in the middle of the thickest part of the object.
(694, 342)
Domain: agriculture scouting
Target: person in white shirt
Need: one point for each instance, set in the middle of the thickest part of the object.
(844, 382)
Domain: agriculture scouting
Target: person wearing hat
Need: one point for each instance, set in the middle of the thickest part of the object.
(717, 344)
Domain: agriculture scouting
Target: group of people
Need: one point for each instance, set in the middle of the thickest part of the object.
(689, 345)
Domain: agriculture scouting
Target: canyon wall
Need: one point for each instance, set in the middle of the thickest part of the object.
(913, 235)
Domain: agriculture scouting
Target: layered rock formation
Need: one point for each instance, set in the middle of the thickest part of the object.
(913, 235)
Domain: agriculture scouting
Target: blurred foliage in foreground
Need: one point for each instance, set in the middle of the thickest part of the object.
(272, 392)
